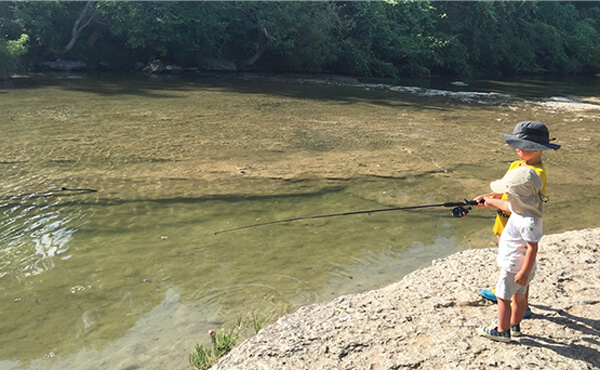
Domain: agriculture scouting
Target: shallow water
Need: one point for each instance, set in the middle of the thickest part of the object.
(133, 275)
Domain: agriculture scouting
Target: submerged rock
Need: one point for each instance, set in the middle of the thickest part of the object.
(154, 66)
(65, 65)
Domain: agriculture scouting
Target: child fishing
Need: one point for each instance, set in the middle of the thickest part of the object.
(530, 139)
(517, 248)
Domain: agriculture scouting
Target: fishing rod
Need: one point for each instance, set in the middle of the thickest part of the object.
(460, 210)
(63, 191)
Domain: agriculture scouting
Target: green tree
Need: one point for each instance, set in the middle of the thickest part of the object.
(10, 52)
(384, 38)
(176, 30)
(391, 38)
(302, 36)
(524, 37)
(44, 22)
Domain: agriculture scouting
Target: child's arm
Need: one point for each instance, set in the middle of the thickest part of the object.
(494, 203)
(522, 276)
(486, 196)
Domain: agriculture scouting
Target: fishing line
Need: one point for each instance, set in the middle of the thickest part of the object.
(51, 193)
(460, 210)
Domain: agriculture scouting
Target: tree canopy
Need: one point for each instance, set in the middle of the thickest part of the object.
(381, 39)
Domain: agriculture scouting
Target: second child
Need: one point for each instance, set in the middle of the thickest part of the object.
(517, 249)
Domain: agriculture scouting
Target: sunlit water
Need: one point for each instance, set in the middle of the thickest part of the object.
(132, 274)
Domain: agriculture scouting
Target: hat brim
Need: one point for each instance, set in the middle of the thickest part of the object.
(499, 187)
(519, 143)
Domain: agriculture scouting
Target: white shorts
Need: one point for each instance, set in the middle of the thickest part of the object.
(506, 286)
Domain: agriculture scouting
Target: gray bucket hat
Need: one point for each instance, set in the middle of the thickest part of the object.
(530, 135)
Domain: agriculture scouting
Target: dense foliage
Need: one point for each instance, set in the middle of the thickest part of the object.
(383, 38)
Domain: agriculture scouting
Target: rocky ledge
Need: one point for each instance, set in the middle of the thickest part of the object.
(428, 319)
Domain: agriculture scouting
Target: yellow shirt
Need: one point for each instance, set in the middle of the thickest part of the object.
(502, 217)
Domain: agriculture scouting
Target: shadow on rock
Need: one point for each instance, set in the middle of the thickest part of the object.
(582, 324)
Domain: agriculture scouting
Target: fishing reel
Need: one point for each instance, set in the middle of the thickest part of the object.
(460, 211)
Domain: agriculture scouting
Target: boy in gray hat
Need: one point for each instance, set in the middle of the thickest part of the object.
(517, 248)
(530, 139)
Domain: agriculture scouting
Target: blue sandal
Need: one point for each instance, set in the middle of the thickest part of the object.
(490, 295)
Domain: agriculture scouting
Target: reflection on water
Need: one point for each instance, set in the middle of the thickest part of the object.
(35, 229)
(133, 275)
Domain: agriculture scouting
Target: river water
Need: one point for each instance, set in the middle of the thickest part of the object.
(113, 188)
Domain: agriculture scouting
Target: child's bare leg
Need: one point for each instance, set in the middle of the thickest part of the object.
(518, 309)
(504, 314)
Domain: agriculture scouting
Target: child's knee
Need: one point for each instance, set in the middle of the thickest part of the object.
(519, 298)
(503, 301)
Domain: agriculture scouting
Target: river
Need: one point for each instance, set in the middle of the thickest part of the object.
(113, 188)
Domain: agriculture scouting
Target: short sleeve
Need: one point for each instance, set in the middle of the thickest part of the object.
(532, 231)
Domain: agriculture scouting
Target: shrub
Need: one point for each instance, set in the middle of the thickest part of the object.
(222, 343)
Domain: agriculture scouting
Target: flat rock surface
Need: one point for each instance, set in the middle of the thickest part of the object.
(428, 320)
